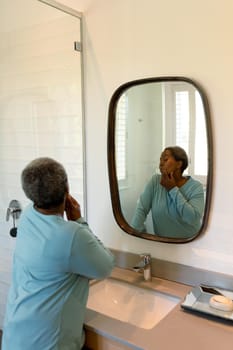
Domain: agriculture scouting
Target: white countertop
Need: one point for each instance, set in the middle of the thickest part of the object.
(179, 330)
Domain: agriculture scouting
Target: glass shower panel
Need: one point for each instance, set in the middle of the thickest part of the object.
(40, 98)
(40, 106)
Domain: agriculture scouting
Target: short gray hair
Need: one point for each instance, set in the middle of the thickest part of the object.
(179, 154)
(45, 182)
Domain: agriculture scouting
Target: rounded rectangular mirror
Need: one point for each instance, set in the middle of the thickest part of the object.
(160, 158)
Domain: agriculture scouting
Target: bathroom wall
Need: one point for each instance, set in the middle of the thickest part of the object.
(130, 39)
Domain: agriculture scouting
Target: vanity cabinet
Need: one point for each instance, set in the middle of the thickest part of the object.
(96, 341)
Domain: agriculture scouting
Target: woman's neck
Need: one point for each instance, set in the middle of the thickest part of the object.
(181, 180)
(52, 211)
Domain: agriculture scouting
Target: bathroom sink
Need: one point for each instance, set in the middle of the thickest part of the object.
(126, 302)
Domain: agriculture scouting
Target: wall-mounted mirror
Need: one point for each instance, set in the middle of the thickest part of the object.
(150, 201)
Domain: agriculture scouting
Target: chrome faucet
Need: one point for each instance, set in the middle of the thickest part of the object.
(145, 266)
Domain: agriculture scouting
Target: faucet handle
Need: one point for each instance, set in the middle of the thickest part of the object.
(146, 257)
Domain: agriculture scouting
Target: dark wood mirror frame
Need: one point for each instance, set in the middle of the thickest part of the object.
(115, 198)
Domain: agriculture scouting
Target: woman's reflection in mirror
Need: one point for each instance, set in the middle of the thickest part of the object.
(176, 201)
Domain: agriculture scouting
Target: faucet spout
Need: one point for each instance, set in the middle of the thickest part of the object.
(145, 266)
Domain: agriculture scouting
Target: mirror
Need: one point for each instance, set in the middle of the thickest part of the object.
(145, 117)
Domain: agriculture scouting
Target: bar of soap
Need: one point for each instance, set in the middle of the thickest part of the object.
(221, 303)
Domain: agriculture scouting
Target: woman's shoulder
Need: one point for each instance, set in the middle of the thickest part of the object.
(156, 178)
(191, 182)
(154, 182)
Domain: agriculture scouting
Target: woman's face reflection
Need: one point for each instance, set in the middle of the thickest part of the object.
(168, 164)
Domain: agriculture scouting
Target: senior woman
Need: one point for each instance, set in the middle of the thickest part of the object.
(54, 260)
(176, 201)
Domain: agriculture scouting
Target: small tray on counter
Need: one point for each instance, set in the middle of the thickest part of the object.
(197, 300)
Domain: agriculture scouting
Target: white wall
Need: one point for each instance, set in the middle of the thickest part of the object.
(130, 39)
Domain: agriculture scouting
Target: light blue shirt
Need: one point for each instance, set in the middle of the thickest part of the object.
(53, 262)
(175, 213)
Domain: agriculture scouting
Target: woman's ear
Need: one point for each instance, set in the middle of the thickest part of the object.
(179, 164)
(67, 188)
(66, 193)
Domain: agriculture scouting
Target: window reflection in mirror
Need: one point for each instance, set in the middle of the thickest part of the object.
(145, 116)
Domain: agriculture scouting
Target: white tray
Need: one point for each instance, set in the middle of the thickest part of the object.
(198, 298)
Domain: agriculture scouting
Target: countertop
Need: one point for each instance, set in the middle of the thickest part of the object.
(180, 329)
